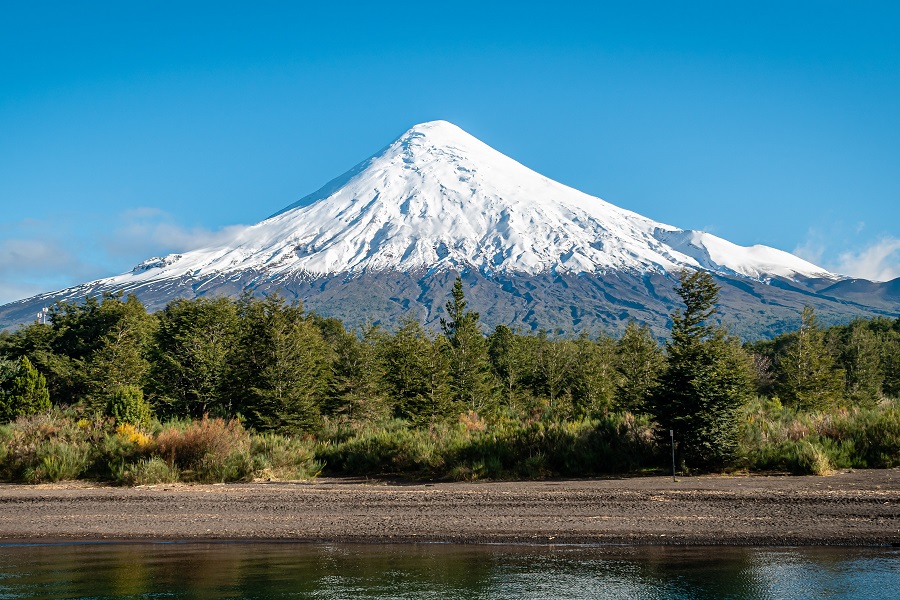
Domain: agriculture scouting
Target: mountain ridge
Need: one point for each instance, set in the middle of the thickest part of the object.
(438, 200)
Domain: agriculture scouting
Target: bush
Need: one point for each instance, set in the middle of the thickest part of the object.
(279, 457)
(816, 442)
(210, 450)
(473, 449)
(44, 447)
(127, 405)
(149, 471)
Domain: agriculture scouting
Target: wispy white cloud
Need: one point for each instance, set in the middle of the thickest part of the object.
(812, 249)
(38, 255)
(22, 256)
(877, 262)
(31, 265)
(144, 232)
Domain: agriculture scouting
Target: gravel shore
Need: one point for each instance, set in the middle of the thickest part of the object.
(849, 508)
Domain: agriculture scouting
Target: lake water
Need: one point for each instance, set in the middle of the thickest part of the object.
(288, 570)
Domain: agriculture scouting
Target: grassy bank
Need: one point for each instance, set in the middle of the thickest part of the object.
(62, 445)
(59, 446)
(775, 437)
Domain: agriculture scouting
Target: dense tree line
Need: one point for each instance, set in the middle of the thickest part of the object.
(283, 369)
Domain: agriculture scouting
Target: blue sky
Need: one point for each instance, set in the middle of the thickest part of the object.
(129, 130)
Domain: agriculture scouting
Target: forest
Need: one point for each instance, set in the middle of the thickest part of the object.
(225, 389)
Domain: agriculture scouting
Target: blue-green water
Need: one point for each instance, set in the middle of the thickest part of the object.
(273, 570)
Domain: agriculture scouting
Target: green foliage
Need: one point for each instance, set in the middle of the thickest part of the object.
(189, 361)
(150, 471)
(283, 458)
(464, 406)
(776, 437)
(639, 362)
(23, 390)
(356, 390)
(511, 363)
(862, 363)
(808, 376)
(594, 376)
(43, 448)
(127, 405)
(554, 360)
(475, 449)
(417, 374)
(55, 446)
(708, 377)
(206, 451)
(280, 369)
(471, 384)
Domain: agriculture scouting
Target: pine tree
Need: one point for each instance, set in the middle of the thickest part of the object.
(890, 362)
(26, 392)
(554, 360)
(808, 377)
(280, 368)
(358, 372)
(861, 357)
(639, 363)
(511, 363)
(470, 372)
(593, 375)
(708, 377)
(190, 357)
(417, 377)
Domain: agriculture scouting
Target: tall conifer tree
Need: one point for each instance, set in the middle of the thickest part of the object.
(470, 374)
(708, 377)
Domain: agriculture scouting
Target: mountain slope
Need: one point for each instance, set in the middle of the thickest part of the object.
(439, 201)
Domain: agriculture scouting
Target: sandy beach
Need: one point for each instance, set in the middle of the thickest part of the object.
(848, 508)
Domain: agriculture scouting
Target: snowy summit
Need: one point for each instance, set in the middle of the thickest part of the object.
(438, 198)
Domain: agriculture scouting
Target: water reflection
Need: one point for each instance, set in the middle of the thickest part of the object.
(284, 570)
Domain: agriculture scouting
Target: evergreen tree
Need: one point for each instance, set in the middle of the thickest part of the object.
(190, 357)
(708, 377)
(593, 375)
(470, 372)
(890, 362)
(511, 363)
(24, 391)
(356, 391)
(861, 357)
(280, 368)
(639, 363)
(417, 374)
(127, 405)
(554, 361)
(36, 341)
(807, 374)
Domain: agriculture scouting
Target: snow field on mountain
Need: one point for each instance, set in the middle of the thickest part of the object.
(439, 198)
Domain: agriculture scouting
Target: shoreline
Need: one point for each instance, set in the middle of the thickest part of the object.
(854, 508)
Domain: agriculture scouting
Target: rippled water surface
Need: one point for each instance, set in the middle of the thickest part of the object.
(284, 570)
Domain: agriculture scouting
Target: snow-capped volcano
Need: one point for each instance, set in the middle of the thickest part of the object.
(439, 198)
(388, 237)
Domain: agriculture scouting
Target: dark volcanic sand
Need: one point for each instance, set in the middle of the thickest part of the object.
(853, 508)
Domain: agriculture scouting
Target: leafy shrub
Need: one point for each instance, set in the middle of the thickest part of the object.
(207, 450)
(149, 471)
(816, 442)
(280, 457)
(473, 449)
(127, 405)
(44, 447)
(57, 461)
